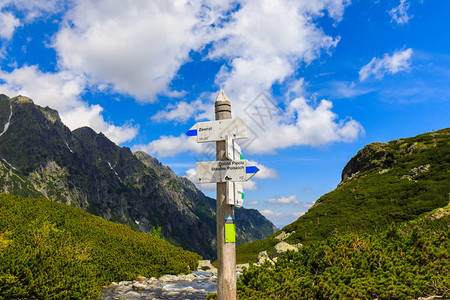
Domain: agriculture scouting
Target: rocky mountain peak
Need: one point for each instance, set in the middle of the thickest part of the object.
(22, 99)
(372, 156)
(50, 114)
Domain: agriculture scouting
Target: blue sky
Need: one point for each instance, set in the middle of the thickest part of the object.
(326, 76)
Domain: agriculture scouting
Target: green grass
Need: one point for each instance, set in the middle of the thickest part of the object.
(53, 251)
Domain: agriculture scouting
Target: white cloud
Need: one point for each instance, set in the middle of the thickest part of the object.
(252, 203)
(33, 9)
(302, 123)
(298, 214)
(389, 64)
(265, 42)
(191, 174)
(14, 13)
(249, 185)
(343, 89)
(284, 200)
(171, 145)
(264, 172)
(308, 205)
(61, 91)
(269, 213)
(180, 112)
(399, 14)
(138, 46)
(8, 24)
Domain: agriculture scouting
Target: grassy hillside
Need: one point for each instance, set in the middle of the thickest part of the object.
(403, 262)
(383, 184)
(54, 251)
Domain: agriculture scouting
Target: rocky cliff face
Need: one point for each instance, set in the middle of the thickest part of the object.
(39, 156)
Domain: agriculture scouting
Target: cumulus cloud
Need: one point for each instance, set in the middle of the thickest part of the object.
(399, 13)
(265, 42)
(303, 122)
(61, 91)
(264, 172)
(8, 24)
(191, 174)
(180, 112)
(389, 64)
(284, 200)
(269, 213)
(24, 11)
(298, 214)
(252, 203)
(137, 46)
(170, 145)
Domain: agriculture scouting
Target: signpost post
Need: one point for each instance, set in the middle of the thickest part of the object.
(228, 169)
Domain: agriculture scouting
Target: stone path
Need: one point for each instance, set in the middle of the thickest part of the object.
(193, 286)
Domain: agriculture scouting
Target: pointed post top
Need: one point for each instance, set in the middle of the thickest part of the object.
(223, 106)
(222, 97)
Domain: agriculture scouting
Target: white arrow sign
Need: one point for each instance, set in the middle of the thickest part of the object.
(233, 151)
(214, 131)
(235, 194)
(225, 170)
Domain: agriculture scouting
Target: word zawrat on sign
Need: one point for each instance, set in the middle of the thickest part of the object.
(225, 171)
(220, 130)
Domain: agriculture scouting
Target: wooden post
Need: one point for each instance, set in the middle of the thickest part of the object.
(226, 252)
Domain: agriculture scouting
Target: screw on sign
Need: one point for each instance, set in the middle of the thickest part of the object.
(229, 168)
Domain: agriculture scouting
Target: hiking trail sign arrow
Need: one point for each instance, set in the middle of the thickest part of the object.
(232, 151)
(219, 130)
(235, 194)
(225, 171)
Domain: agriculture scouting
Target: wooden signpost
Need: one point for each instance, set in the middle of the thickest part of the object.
(228, 169)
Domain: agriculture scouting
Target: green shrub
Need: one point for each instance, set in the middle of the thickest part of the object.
(404, 262)
(53, 251)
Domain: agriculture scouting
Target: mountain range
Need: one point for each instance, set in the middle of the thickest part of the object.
(41, 157)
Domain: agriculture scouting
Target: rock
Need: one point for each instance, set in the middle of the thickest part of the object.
(416, 171)
(240, 267)
(131, 295)
(263, 257)
(204, 265)
(283, 247)
(284, 235)
(137, 286)
(168, 278)
(370, 157)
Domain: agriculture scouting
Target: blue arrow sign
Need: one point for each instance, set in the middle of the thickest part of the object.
(191, 132)
(251, 169)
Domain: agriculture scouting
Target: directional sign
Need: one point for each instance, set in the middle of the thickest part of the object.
(235, 194)
(225, 170)
(214, 131)
(233, 151)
